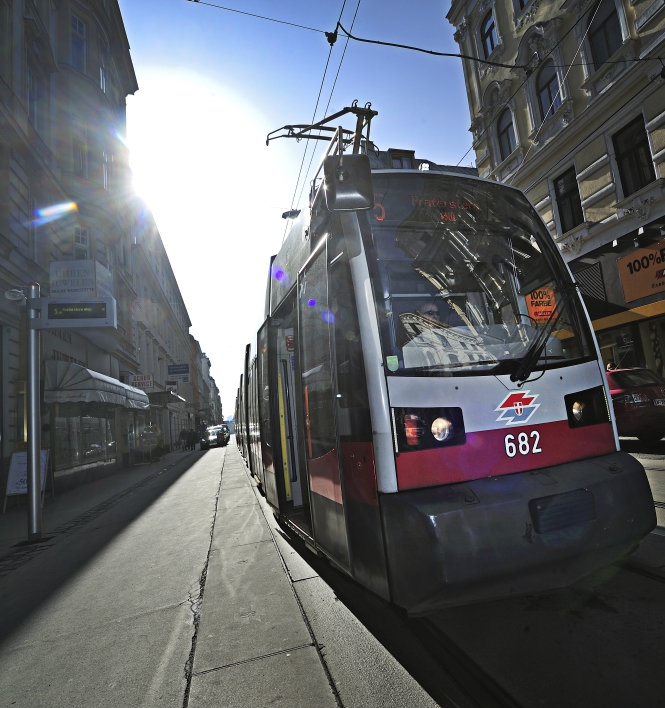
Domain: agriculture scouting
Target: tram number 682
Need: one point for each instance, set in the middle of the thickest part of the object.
(523, 444)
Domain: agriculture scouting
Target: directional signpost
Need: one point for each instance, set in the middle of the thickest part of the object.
(70, 313)
(50, 313)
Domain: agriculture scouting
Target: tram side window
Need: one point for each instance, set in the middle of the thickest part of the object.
(352, 404)
(317, 375)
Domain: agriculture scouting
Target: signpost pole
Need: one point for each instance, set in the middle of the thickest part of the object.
(34, 420)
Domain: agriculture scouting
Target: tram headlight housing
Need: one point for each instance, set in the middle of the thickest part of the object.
(424, 428)
(588, 407)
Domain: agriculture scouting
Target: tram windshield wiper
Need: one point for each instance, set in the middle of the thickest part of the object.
(529, 360)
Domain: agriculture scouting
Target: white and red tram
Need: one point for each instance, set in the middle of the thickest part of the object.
(425, 402)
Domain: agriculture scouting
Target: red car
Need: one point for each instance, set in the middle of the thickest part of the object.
(638, 396)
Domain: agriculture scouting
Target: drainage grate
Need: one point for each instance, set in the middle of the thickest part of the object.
(560, 511)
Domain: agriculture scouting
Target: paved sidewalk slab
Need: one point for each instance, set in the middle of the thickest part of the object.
(287, 680)
(266, 612)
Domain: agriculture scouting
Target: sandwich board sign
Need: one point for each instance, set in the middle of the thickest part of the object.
(17, 479)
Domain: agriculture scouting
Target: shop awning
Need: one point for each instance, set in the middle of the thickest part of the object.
(166, 399)
(70, 383)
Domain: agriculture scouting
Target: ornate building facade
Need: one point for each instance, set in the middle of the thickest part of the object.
(68, 214)
(571, 110)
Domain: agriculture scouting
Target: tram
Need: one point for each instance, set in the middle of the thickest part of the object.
(425, 402)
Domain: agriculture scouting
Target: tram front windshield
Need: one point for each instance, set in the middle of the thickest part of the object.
(468, 280)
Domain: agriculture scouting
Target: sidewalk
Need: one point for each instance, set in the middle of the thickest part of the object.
(271, 632)
(172, 586)
(79, 500)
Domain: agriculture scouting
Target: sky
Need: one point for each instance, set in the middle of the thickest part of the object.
(213, 83)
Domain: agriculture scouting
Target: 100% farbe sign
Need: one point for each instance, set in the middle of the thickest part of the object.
(642, 272)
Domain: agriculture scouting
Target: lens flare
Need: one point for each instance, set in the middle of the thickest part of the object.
(312, 302)
(53, 212)
(327, 316)
(121, 138)
(278, 274)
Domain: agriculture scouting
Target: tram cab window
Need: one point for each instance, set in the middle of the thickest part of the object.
(466, 278)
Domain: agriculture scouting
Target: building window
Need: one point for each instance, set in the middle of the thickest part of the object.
(78, 158)
(106, 164)
(78, 43)
(488, 34)
(81, 244)
(506, 134)
(568, 200)
(79, 149)
(549, 93)
(33, 100)
(604, 32)
(103, 64)
(631, 148)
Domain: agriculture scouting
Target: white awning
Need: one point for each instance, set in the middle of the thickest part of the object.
(70, 383)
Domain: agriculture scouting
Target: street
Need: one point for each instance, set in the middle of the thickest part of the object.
(145, 599)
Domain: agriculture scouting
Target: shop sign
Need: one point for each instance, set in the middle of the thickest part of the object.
(540, 304)
(178, 372)
(80, 278)
(172, 386)
(141, 381)
(642, 273)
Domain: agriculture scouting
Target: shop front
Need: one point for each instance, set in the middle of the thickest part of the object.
(623, 284)
(93, 422)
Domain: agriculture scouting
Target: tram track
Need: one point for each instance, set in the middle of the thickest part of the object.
(476, 683)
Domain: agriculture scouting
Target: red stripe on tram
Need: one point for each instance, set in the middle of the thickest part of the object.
(485, 453)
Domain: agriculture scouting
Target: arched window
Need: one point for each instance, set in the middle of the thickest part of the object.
(506, 134)
(488, 34)
(604, 32)
(547, 88)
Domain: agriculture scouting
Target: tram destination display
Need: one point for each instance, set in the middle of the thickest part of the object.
(70, 313)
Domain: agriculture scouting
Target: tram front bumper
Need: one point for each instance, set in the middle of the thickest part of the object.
(482, 540)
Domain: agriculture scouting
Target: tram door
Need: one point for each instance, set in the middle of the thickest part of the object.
(295, 486)
(318, 401)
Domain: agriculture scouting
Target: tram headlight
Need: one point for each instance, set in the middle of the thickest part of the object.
(588, 407)
(578, 411)
(423, 428)
(442, 429)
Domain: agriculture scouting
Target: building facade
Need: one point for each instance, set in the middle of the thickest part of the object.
(575, 117)
(69, 220)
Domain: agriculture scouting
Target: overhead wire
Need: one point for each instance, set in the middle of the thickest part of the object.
(558, 95)
(260, 17)
(519, 88)
(577, 147)
(316, 107)
(332, 91)
(347, 33)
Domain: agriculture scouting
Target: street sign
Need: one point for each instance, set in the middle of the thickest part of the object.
(178, 372)
(73, 313)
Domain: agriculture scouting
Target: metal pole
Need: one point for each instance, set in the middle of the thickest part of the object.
(34, 418)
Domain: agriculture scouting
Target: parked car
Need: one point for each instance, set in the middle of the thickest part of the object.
(638, 396)
(209, 438)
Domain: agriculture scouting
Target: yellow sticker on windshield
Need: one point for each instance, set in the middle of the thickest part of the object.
(541, 303)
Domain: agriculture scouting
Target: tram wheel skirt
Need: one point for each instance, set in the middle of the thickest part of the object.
(476, 541)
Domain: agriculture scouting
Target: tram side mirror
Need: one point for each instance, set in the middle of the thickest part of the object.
(348, 183)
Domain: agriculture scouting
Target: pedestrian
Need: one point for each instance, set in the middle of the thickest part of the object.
(191, 439)
(611, 366)
(183, 439)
